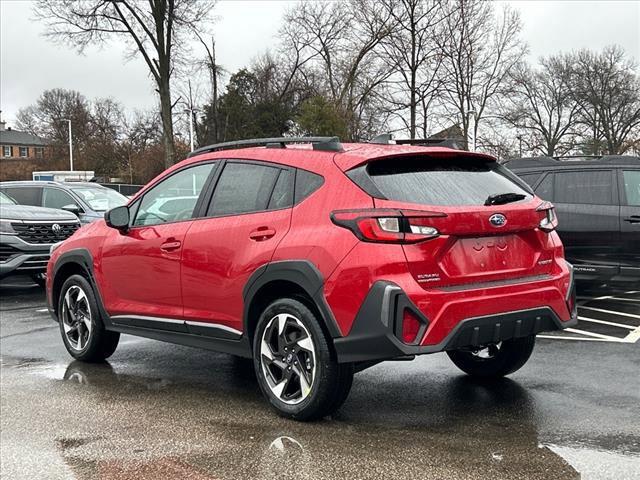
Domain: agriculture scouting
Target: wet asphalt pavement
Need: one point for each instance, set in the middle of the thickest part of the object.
(162, 411)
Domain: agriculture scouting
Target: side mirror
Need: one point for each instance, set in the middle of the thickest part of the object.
(73, 208)
(118, 218)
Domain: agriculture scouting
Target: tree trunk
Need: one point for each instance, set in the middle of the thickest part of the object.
(167, 124)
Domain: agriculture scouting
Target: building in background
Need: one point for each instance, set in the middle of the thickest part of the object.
(16, 145)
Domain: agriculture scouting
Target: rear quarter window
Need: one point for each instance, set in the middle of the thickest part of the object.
(447, 182)
(591, 187)
(306, 184)
(530, 178)
(25, 195)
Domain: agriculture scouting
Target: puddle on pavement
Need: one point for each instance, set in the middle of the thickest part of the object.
(215, 433)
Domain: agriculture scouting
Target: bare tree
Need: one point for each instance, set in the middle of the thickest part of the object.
(480, 50)
(539, 103)
(606, 88)
(414, 56)
(154, 29)
(336, 47)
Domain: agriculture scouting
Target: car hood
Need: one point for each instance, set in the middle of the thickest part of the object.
(28, 213)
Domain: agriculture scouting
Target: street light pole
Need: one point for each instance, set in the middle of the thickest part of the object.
(70, 146)
(191, 111)
(471, 141)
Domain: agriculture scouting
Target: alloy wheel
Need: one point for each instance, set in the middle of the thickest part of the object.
(288, 358)
(76, 318)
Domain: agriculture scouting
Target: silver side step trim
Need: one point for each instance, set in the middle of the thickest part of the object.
(178, 321)
(196, 323)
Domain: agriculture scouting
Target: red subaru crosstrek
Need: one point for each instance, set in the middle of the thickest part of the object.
(318, 259)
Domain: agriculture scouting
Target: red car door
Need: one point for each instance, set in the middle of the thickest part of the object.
(249, 214)
(143, 265)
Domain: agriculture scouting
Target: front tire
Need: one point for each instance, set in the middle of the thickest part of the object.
(296, 370)
(82, 332)
(496, 360)
(39, 279)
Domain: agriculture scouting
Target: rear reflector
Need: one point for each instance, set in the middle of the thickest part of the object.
(410, 326)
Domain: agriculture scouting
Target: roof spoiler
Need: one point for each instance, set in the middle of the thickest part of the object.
(387, 139)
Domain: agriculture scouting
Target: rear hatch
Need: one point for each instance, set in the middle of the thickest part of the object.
(486, 218)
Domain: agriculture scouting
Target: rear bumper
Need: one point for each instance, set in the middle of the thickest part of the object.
(375, 334)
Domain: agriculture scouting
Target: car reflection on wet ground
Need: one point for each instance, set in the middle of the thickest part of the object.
(164, 411)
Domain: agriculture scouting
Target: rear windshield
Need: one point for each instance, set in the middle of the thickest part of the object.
(449, 181)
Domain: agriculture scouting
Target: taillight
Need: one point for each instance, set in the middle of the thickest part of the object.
(549, 221)
(387, 225)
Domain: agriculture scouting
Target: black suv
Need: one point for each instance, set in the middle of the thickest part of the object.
(597, 200)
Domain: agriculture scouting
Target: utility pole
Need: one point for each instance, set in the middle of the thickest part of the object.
(519, 137)
(471, 115)
(191, 128)
(191, 111)
(70, 145)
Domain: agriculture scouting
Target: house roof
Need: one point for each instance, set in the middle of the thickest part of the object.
(15, 137)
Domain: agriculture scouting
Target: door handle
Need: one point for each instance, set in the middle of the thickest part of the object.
(262, 233)
(633, 219)
(169, 246)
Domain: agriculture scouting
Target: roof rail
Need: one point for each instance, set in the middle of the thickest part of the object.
(387, 139)
(327, 144)
(571, 159)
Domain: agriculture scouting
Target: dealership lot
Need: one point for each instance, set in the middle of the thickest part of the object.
(163, 410)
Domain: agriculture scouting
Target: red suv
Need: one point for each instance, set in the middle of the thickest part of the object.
(318, 259)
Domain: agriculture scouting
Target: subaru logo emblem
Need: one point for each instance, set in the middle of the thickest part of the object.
(56, 228)
(498, 220)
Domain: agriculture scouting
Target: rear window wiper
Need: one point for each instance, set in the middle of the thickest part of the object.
(502, 198)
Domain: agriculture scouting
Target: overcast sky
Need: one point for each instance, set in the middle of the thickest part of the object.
(29, 63)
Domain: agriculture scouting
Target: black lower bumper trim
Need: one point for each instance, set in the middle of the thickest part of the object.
(372, 336)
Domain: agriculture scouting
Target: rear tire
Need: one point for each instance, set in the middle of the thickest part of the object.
(499, 360)
(296, 370)
(81, 327)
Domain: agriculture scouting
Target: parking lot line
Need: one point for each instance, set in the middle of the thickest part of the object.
(607, 297)
(633, 337)
(592, 334)
(624, 314)
(604, 322)
(625, 299)
(582, 339)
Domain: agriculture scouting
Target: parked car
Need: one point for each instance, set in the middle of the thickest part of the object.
(320, 260)
(598, 205)
(26, 236)
(87, 200)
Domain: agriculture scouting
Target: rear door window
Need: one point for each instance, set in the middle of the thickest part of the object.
(592, 187)
(631, 180)
(56, 198)
(282, 195)
(449, 181)
(243, 188)
(26, 195)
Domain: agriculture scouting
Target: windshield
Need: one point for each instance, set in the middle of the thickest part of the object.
(100, 199)
(6, 200)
